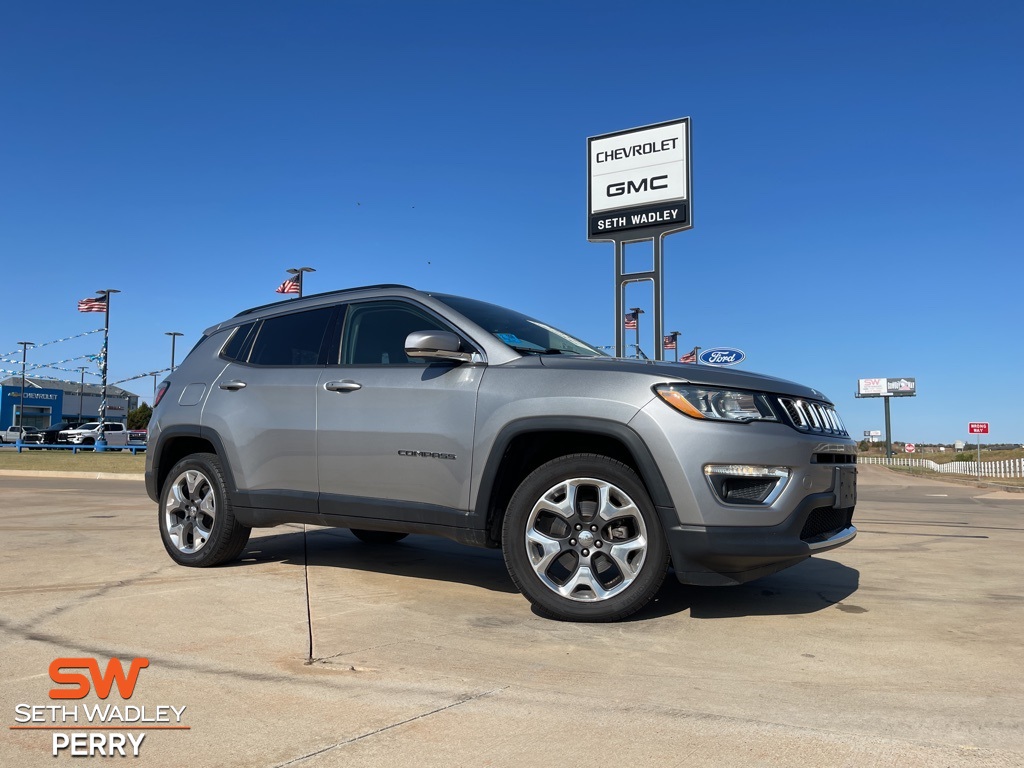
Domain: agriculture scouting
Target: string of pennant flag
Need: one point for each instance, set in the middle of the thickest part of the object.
(46, 344)
(142, 376)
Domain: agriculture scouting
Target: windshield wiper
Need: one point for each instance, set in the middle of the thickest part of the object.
(539, 351)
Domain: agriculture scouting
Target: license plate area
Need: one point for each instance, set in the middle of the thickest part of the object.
(846, 487)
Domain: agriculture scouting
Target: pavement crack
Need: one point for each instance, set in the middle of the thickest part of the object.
(100, 590)
(422, 715)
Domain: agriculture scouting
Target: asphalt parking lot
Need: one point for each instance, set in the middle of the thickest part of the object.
(902, 649)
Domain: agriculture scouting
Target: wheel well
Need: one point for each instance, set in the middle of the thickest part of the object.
(177, 449)
(528, 451)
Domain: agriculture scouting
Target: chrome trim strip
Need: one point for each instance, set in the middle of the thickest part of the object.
(840, 538)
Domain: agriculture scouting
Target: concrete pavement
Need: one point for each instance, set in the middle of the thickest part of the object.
(902, 648)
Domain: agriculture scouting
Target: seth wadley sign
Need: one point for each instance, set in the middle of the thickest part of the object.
(639, 179)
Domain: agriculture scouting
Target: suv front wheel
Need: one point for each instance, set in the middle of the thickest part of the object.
(582, 540)
(197, 525)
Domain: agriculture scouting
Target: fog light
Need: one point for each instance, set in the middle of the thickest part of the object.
(746, 483)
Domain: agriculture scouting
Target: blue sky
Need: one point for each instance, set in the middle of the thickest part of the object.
(857, 174)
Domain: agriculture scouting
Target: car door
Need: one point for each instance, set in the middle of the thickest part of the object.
(394, 433)
(263, 407)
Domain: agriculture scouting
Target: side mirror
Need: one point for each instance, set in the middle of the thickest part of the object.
(436, 345)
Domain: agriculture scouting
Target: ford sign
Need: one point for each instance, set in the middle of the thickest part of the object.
(721, 356)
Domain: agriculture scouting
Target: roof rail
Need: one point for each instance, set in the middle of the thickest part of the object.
(327, 293)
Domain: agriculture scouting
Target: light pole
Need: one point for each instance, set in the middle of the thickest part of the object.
(21, 403)
(174, 335)
(81, 392)
(101, 444)
(297, 271)
(675, 343)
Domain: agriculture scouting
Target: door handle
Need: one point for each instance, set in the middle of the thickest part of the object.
(347, 385)
(232, 385)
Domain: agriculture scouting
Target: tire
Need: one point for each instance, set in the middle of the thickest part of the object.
(377, 537)
(582, 540)
(197, 524)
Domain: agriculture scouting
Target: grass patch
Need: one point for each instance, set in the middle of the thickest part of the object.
(969, 453)
(66, 461)
(985, 482)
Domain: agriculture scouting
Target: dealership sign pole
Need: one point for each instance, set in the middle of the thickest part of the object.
(639, 189)
(887, 388)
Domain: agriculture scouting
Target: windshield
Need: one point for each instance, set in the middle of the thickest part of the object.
(522, 333)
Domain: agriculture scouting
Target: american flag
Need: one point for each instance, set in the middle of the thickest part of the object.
(290, 285)
(631, 321)
(670, 342)
(98, 304)
(690, 357)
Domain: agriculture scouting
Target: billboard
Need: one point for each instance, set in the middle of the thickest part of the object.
(903, 387)
(639, 179)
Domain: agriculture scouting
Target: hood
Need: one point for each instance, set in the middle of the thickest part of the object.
(688, 373)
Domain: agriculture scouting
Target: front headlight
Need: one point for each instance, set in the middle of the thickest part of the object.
(716, 404)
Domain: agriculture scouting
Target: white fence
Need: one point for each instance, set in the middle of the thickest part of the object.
(1009, 468)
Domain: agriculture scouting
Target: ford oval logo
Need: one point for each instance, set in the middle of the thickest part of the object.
(722, 356)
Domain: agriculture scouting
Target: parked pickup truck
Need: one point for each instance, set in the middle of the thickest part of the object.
(116, 434)
(12, 434)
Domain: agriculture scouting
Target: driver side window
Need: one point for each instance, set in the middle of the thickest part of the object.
(375, 333)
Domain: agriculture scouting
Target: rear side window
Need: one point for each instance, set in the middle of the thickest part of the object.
(233, 349)
(294, 339)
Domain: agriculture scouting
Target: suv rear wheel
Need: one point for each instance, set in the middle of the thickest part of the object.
(582, 540)
(197, 525)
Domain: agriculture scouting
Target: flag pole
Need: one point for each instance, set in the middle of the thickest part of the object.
(297, 272)
(637, 311)
(101, 443)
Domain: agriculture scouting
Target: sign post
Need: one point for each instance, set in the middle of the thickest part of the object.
(638, 189)
(978, 428)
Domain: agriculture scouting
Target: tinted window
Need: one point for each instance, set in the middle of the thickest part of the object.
(293, 339)
(375, 333)
(233, 349)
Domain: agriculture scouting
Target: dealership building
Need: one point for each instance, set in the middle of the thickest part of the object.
(48, 401)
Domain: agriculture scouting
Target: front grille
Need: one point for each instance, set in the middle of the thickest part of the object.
(834, 458)
(825, 522)
(814, 417)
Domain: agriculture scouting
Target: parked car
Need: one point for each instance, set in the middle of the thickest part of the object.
(392, 411)
(115, 433)
(137, 436)
(12, 434)
(49, 436)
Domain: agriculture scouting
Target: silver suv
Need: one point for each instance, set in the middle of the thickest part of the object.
(391, 411)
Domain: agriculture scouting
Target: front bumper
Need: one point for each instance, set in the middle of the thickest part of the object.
(728, 555)
(714, 540)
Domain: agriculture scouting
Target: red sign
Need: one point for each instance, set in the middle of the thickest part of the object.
(978, 427)
(910, 448)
